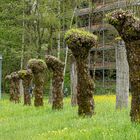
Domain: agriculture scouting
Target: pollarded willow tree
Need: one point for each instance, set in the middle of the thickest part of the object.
(26, 76)
(14, 87)
(38, 67)
(80, 42)
(9, 78)
(16, 80)
(128, 28)
(57, 67)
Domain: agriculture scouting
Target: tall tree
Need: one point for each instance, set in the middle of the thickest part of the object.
(129, 29)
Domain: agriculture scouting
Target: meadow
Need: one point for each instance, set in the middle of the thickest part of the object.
(18, 122)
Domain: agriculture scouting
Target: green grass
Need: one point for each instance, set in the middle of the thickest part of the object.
(18, 122)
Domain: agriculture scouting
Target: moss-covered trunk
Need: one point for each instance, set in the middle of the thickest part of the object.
(38, 90)
(57, 68)
(11, 91)
(27, 97)
(16, 91)
(84, 90)
(80, 42)
(133, 53)
(38, 67)
(128, 28)
(57, 90)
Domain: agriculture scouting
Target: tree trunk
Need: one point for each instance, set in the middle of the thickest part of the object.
(128, 28)
(122, 85)
(38, 90)
(73, 82)
(27, 97)
(133, 52)
(57, 90)
(57, 68)
(85, 89)
(80, 42)
(12, 91)
(17, 91)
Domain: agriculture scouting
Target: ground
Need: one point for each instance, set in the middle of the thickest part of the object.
(18, 122)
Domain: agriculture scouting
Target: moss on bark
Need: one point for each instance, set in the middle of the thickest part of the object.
(9, 78)
(14, 87)
(16, 79)
(57, 67)
(128, 28)
(80, 42)
(38, 67)
(26, 76)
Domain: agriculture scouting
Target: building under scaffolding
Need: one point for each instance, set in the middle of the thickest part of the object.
(102, 62)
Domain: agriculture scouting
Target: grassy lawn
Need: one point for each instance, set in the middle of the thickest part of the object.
(18, 122)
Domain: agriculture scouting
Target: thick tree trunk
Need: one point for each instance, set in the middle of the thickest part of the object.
(38, 67)
(85, 89)
(80, 42)
(17, 91)
(27, 97)
(26, 77)
(38, 90)
(128, 28)
(133, 52)
(57, 99)
(122, 86)
(57, 67)
(73, 73)
(12, 91)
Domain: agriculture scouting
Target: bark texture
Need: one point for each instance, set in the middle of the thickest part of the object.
(9, 78)
(80, 42)
(57, 67)
(38, 67)
(26, 76)
(122, 86)
(73, 73)
(14, 87)
(129, 29)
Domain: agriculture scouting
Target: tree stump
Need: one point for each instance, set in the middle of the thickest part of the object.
(80, 42)
(26, 76)
(128, 28)
(57, 67)
(38, 67)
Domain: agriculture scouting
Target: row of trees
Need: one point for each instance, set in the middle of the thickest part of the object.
(33, 28)
(35, 74)
(80, 42)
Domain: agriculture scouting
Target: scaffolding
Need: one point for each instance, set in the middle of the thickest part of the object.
(109, 6)
(107, 46)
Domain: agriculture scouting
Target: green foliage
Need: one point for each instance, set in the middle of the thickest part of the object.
(30, 123)
(79, 37)
(80, 42)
